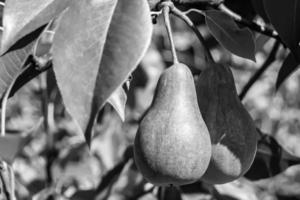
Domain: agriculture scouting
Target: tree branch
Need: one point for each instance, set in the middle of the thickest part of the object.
(259, 72)
(250, 24)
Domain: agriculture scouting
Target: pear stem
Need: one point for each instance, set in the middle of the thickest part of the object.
(166, 12)
(188, 21)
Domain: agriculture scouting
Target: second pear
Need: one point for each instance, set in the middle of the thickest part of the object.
(232, 130)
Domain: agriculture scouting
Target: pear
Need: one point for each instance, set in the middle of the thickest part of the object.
(172, 145)
(232, 130)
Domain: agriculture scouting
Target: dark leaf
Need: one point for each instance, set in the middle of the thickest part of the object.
(23, 17)
(285, 17)
(288, 67)
(96, 46)
(238, 41)
(270, 160)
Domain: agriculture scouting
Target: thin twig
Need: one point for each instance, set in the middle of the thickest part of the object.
(250, 24)
(166, 12)
(186, 19)
(260, 71)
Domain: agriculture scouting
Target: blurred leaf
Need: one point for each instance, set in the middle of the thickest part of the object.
(96, 46)
(45, 194)
(118, 101)
(241, 189)
(270, 160)
(36, 186)
(288, 67)
(285, 184)
(258, 6)
(22, 17)
(12, 144)
(285, 17)
(238, 41)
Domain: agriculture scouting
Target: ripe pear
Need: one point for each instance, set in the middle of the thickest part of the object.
(172, 145)
(232, 130)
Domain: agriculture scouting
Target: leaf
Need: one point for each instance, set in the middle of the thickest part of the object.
(118, 101)
(289, 65)
(12, 144)
(22, 17)
(285, 17)
(96, 46)
(270, 160)
(238, 41)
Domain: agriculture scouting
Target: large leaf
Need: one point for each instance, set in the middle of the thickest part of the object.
(288, 67)
(285, 17)
(96, 46)
(22, 17)
(225, 30)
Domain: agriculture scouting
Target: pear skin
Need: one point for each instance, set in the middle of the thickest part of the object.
(172, 145)
(232, 130)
